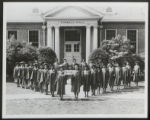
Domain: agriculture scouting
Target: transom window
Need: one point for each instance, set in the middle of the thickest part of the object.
(12, 35)
(72, 35)
(34, 37)
(68, 47)
(76, 47)
(110, 34)
(131, 35)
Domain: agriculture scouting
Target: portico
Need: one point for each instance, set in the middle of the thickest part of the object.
(84, 21)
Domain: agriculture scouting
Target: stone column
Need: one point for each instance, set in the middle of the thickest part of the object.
(95, 37)
(101, 28)
(49, 37)
(57, 42)
(43, 28)
(88, 36)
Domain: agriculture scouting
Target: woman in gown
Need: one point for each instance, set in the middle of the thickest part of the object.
(76, 81)
(93, 79)
(61, 83)
(117, 76)
(86, 81)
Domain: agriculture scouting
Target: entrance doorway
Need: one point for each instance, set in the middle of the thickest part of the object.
(72, 45)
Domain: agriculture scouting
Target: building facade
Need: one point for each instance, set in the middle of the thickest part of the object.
(74, 32)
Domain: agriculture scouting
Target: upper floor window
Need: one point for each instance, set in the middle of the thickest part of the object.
(34, 37)
(110, 34)
(12, 35)
(131, 35)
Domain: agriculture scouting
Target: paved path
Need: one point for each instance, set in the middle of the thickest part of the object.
(21, 101)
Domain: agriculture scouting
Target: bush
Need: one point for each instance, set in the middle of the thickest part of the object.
(18, 51)
(46, 54)
(98, 57)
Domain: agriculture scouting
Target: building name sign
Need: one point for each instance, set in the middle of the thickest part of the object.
(72, 23)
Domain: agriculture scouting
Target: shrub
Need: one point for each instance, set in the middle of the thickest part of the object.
(46, 54)
(18, 51)
(98, 57)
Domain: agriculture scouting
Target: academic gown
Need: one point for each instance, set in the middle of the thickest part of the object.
(117, 76)
(105, 77)
(60, 83)
(128, 73)
(34, 76)
(16, 73)
(124, 75)
(76, 82)
(93, 79)
(99, 78)
(111, 76)
(136, 76)
(52, 80)
(86, 80)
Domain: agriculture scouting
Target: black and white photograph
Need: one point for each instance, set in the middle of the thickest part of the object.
(75, 60)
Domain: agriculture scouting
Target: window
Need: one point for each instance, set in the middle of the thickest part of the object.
(68, 47)
(110, 34)
(12, 35)
(72, 35)
(76, 47)
(131, 35)
(33, 37)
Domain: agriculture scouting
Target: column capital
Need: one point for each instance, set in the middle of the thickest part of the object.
(101, 26)
(95, 26)
(56, 26)
(88, 26)
(43, 27)
(49, 26)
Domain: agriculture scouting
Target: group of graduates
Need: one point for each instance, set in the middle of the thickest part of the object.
(43, 77)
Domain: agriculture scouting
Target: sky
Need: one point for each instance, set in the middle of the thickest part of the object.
(17, 11)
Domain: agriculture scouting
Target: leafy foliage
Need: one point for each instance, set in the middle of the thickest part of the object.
(47, 55)
(118, 49)
(18, 51)
(98, 57)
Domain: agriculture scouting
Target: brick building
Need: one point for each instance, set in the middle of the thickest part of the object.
(75, 31)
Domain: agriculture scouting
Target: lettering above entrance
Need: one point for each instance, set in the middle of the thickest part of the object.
(70, 22)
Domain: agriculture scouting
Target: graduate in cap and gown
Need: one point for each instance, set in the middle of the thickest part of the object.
(136, 73)
(93, 79)
(129, 72)
(45, 73)
(86, 80)
(124, 75)
(26, 75)
(22, 77)
(99, 79)
(34, 77)
(52, 74)
(61, 82)
(41, 78)
(30, 67)
(105, 77)
(111, 76)
(16, 74)
(76, 81)
(117, 76)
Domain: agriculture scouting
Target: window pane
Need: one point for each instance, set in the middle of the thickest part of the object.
(110, 34)
(33, 38)
(68, 48)
(76, 47)
(12, 35)
(131, 35)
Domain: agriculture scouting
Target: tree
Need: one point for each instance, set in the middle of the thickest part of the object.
(99, 56)
(18, 51)
(120, 50)
(47, 55)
